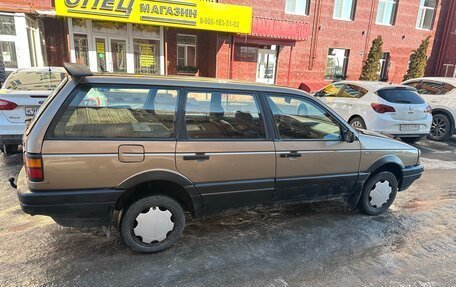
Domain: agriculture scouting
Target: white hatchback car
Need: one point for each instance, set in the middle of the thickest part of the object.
(20, 97)
(441, 94)
(396, 110)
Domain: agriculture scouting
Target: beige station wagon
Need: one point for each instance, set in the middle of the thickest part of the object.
(142, 151)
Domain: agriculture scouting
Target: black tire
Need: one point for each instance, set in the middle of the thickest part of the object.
(9, 149)
(410, 140)
(358, 122)
(440, 128)
(364, 204)
(128, 222)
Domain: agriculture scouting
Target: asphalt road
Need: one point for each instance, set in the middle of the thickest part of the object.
(413, 244)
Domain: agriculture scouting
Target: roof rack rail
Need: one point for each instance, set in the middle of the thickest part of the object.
(77, 70)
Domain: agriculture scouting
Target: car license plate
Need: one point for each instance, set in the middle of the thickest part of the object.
(409, 127)
(30, 112)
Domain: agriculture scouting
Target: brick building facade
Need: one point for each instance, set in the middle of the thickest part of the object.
(309, 57)
(443, 58)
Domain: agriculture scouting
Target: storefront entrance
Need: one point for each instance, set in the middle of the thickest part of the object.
(266, 66)
(111, 54)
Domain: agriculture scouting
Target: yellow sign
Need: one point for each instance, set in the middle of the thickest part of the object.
(100, 47)
(146, 58)
(195, 14)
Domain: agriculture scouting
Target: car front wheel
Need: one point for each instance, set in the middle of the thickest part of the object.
(378, 193)
(152, 224)
(440, 128)
(358, 123)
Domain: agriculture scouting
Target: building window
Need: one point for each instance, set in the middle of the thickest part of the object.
(298, 7)
(344, 9)
(146, 56)
(186, 53)
(384, 66)
(7, 26)
(246, 54)
(81, 49)
(336, 64)
(8, 50)
(426, 12)
(386, 12)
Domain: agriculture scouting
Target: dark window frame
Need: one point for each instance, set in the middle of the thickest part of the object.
(58, 115)
(183, 134)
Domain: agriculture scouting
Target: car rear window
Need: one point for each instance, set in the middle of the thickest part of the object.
(400, 96)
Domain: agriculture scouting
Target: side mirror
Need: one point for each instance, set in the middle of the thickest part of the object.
(349, 136)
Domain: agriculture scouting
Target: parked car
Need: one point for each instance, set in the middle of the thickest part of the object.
(441, 94)
(136, 158)
(381, 107)
(20, 97)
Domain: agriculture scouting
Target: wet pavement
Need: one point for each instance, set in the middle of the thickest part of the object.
(320, 244)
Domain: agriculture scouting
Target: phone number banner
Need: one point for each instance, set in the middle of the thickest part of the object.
(193, 14)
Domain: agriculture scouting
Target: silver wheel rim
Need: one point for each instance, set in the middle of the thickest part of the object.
(357, 124)
(438, 127)
(380, 194)
(153, 225)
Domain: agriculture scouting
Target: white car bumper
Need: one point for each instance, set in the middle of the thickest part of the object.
(400, 128)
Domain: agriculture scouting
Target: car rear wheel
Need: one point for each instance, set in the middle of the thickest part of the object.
(379, 193)
(9, 149)
(440, 128)
(152, 224)
(358, 122)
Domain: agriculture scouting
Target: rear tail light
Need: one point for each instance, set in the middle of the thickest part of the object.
(34, 167)
(7, 105)
(428, 109)
(381, 108)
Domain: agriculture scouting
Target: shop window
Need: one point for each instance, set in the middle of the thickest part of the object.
(81, 49)
(100, 46)
(7, 26)
(384, 66)
(344, 9)
(299, 7)
(245, 54)
(186, 53)
(386, 12)
(336, 64)
(426, 12)
(146, 56)
(8, 50)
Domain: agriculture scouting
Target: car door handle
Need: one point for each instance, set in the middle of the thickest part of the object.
(291, 154)
(197, 157)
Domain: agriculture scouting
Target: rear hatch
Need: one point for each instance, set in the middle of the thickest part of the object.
(27, 104)
(408, 105)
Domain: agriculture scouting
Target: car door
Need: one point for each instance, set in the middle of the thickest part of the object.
(331, 95)
(313, 160)
(349, 100)
(112, 132)
(224, 148)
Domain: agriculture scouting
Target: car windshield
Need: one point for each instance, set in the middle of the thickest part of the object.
(34, 80)
(400, 96)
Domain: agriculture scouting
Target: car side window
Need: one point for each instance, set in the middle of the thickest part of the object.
(446, 88)
(297, 118)
(428, 88)
(223, 115)
(353, 91)
(119, 112)
(331, 90)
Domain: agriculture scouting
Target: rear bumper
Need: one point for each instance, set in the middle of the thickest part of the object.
(69, 208)
(410, 174)
(10, 139)
(386, 125)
